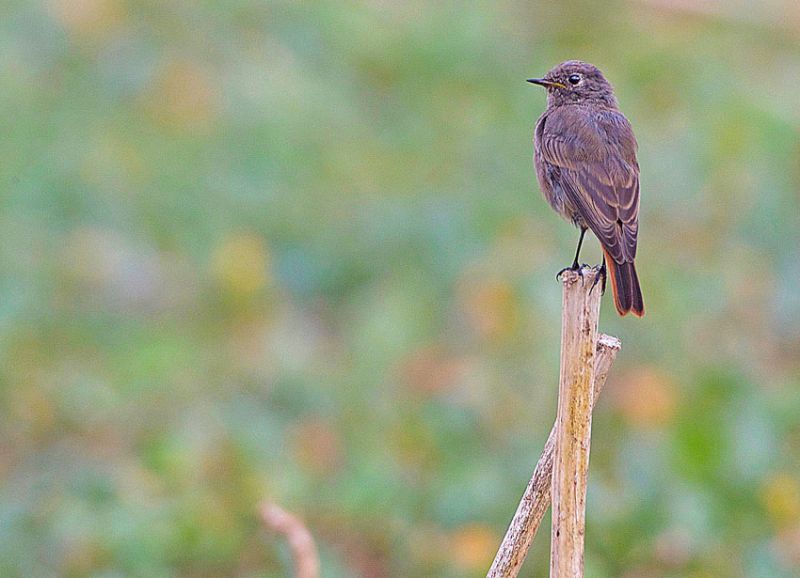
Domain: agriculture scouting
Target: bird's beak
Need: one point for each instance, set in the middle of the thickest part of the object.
(546, 83)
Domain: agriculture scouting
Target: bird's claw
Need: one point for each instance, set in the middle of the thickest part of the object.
(601, 276)
(575, 267)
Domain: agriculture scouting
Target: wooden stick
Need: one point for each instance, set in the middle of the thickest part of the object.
(580, 314)
(301, 542)
(536, 499)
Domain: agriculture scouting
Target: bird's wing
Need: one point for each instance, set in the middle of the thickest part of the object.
(596, 154)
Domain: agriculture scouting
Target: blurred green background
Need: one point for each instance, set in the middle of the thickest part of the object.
(295, 251)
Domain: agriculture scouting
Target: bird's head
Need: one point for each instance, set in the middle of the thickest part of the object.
(574, 82)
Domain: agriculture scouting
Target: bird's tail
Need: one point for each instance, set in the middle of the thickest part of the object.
(625, 283)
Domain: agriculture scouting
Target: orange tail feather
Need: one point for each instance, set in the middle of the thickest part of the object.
(625, 285)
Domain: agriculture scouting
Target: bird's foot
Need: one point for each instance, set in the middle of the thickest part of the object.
(576, 267)
(600, 277)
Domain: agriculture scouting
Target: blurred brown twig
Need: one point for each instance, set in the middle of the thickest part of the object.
(299, 538)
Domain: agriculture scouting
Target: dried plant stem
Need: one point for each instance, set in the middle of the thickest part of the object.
(580, 315)
(536, 499)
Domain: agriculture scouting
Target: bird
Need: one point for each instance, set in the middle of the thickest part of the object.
(586, 165)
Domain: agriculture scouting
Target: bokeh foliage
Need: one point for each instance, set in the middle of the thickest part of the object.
(295, 251)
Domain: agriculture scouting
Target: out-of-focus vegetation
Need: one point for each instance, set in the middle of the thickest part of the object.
(295, 250)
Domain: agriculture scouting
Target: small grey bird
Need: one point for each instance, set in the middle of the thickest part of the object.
(585, 158)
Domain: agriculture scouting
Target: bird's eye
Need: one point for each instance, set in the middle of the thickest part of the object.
(574, 78)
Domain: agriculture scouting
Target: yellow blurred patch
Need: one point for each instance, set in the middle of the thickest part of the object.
(240, 265)
(646, 397)
(492, 308)
(473, 547)
(780, 496)
(82, 554)
(184, 96)
(428, 544)
(88, 19)
(32, 406)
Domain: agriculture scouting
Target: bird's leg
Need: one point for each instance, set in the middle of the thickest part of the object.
(578, 250)
(601, 274)
(575, 266)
